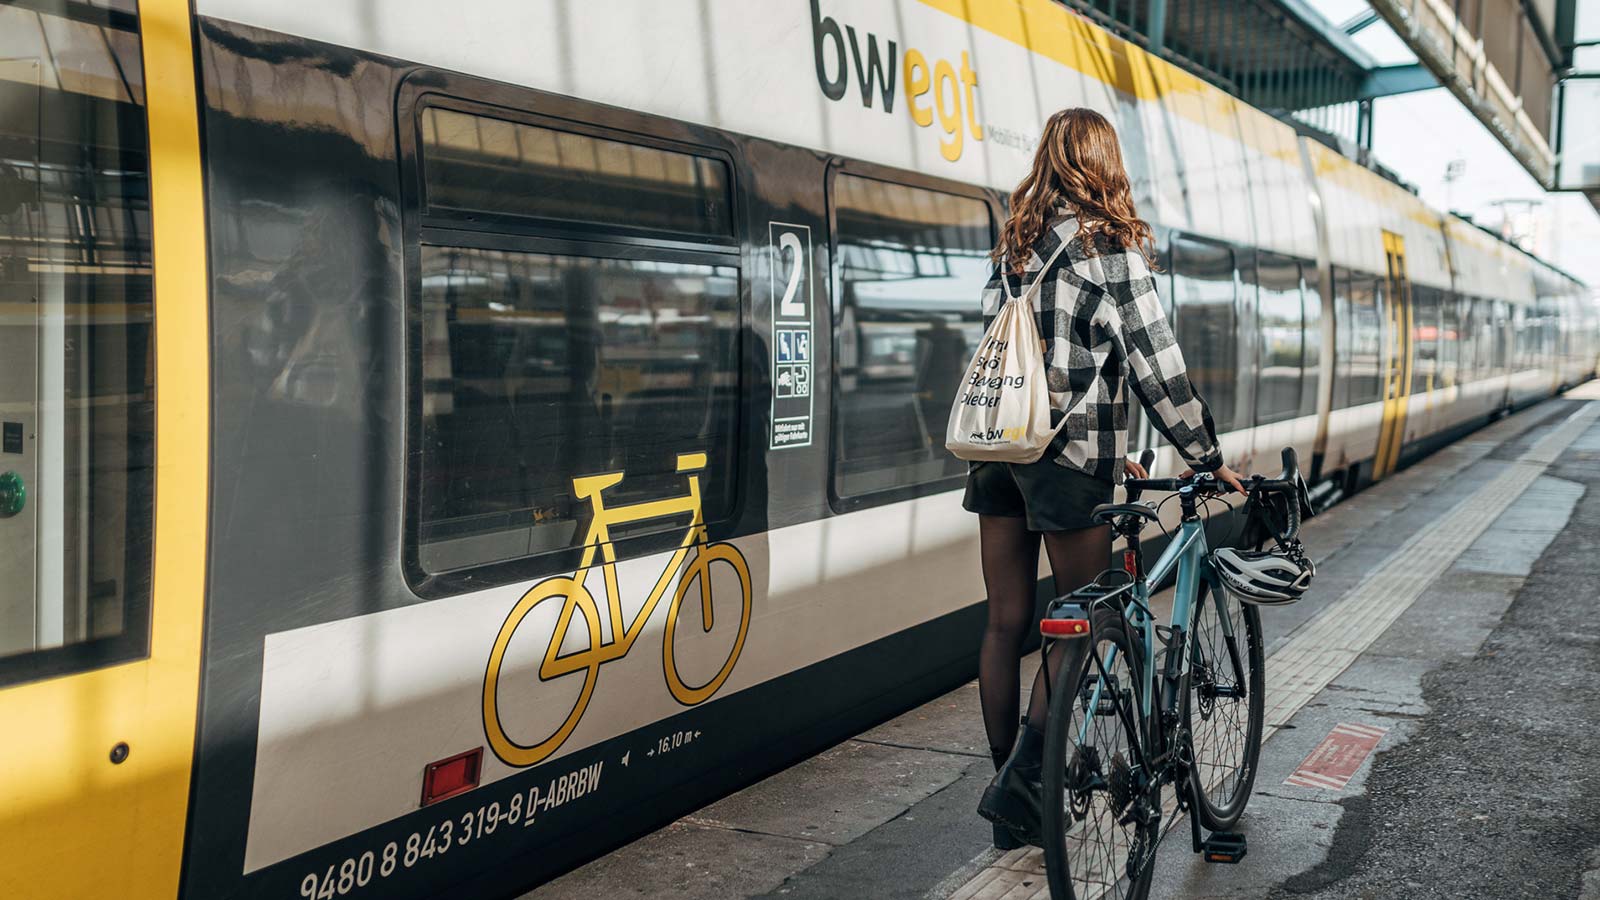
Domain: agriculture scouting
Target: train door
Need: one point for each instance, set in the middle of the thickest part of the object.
(1397, 357)
(101, 568)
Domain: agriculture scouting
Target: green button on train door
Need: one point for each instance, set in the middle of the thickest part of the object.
(102, 479)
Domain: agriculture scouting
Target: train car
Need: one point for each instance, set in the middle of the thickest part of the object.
(442, 443)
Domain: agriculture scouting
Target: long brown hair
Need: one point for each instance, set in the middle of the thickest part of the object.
(1078, 163)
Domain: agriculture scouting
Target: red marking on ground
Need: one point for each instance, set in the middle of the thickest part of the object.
(1335, 761)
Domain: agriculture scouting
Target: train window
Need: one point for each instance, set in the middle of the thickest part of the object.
(1502, 342)
(1342, 337)
(1449, 341)
(1311, 296)
(1366, 341)
(1203, 291)
(1424, 338)
(1280, 351)
(912, 264)
(477, 164)
(537, 367)
(1467, 339)
(77, 397)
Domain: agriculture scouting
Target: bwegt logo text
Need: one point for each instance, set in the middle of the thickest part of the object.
(954, 91)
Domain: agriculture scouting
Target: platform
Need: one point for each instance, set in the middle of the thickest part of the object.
(1452, 628)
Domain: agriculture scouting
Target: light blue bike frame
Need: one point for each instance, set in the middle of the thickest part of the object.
(1187, 551)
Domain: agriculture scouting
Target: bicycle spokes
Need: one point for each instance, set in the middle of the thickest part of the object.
(1105, 789)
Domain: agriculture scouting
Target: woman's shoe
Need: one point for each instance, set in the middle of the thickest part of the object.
(1012, 799)
(1003, 838)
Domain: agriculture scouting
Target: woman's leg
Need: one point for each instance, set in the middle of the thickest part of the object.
(1010, 569)
(1075, 558)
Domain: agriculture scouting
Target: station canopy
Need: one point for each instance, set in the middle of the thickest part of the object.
(1522, 67)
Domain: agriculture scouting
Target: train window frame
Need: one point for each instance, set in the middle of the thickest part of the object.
(1310, 310)
(132, 642)
(1239, 403)
(431, 89)
(839, 165)
(1273, 416)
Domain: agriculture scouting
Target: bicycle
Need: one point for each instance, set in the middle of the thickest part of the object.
(1120, 729)
(691, 563)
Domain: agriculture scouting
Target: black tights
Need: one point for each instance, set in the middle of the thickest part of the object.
(1010, 572)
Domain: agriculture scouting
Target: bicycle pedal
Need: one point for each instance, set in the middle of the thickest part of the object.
(1223, 847)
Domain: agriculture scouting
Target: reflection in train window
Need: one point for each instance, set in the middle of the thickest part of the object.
(1449, 341)
(480, 164)
(1366, 341)
(1279, 317)
(1311, 295)
(1342, 336)
(77, 361)
(912, 266)
(538, 367)
(1525, 336)
(1203, 289)
(1468, 334)
(1424, 338)
(1500, 319)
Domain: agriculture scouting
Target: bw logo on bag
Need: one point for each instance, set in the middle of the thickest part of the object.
(1002, 410)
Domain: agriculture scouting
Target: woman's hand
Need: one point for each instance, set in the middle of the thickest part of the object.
(1225, 475)
(1133, 469)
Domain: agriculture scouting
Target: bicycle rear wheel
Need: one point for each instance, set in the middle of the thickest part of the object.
(1093, 845)
(1225, 705)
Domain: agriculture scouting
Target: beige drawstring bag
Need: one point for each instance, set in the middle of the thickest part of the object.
(1002, 409)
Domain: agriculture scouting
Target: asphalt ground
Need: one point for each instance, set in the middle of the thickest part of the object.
(1496, 793)
(1486, 782)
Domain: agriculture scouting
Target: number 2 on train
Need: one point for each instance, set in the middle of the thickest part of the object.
(791, 306)
(692, 562)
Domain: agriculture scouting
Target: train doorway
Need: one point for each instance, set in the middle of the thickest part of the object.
(101, 573)
(1397, 357)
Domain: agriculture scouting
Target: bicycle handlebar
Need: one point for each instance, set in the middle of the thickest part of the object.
(1205, 482)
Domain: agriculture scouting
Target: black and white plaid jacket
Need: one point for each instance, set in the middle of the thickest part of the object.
(1103, 326)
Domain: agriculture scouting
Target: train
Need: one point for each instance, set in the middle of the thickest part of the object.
(443, 443)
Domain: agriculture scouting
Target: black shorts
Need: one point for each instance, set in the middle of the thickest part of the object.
(1052, 497)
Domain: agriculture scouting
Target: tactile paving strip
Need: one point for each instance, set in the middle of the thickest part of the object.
(1329, 643)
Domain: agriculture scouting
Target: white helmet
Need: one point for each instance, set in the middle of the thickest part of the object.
(1266, 577)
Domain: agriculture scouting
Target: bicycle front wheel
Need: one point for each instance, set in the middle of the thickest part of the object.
(698, 572)
(1094, 844)
(1224, 705)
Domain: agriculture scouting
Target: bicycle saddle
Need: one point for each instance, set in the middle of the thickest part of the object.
(1107, 512)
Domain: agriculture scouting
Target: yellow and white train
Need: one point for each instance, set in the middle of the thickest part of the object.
(443, 442)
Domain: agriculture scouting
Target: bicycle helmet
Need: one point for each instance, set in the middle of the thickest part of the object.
(1275, 577)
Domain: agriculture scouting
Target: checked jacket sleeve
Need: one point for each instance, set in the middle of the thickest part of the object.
(1155, 367)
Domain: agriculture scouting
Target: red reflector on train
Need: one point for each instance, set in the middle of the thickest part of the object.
(451, 776)
(1063, 627)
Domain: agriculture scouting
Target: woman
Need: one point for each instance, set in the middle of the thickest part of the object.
(1104, 330)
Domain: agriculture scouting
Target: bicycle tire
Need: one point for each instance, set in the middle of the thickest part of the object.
(1220, 803)
(574, 596)
(1061, 747)
(697, 570)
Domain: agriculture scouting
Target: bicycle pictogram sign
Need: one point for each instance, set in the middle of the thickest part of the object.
(691, 563)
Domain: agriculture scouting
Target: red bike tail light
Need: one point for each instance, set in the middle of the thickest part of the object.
(451, 776)
(1063, 627)
(1130, 562)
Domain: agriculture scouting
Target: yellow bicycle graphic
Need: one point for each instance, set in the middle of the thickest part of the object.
(691, 562)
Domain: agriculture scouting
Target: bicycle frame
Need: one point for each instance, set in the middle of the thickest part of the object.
(599, 538)
(690, 564)
(1186, 553)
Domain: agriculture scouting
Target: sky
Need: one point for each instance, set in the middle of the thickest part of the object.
(1418, 135)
